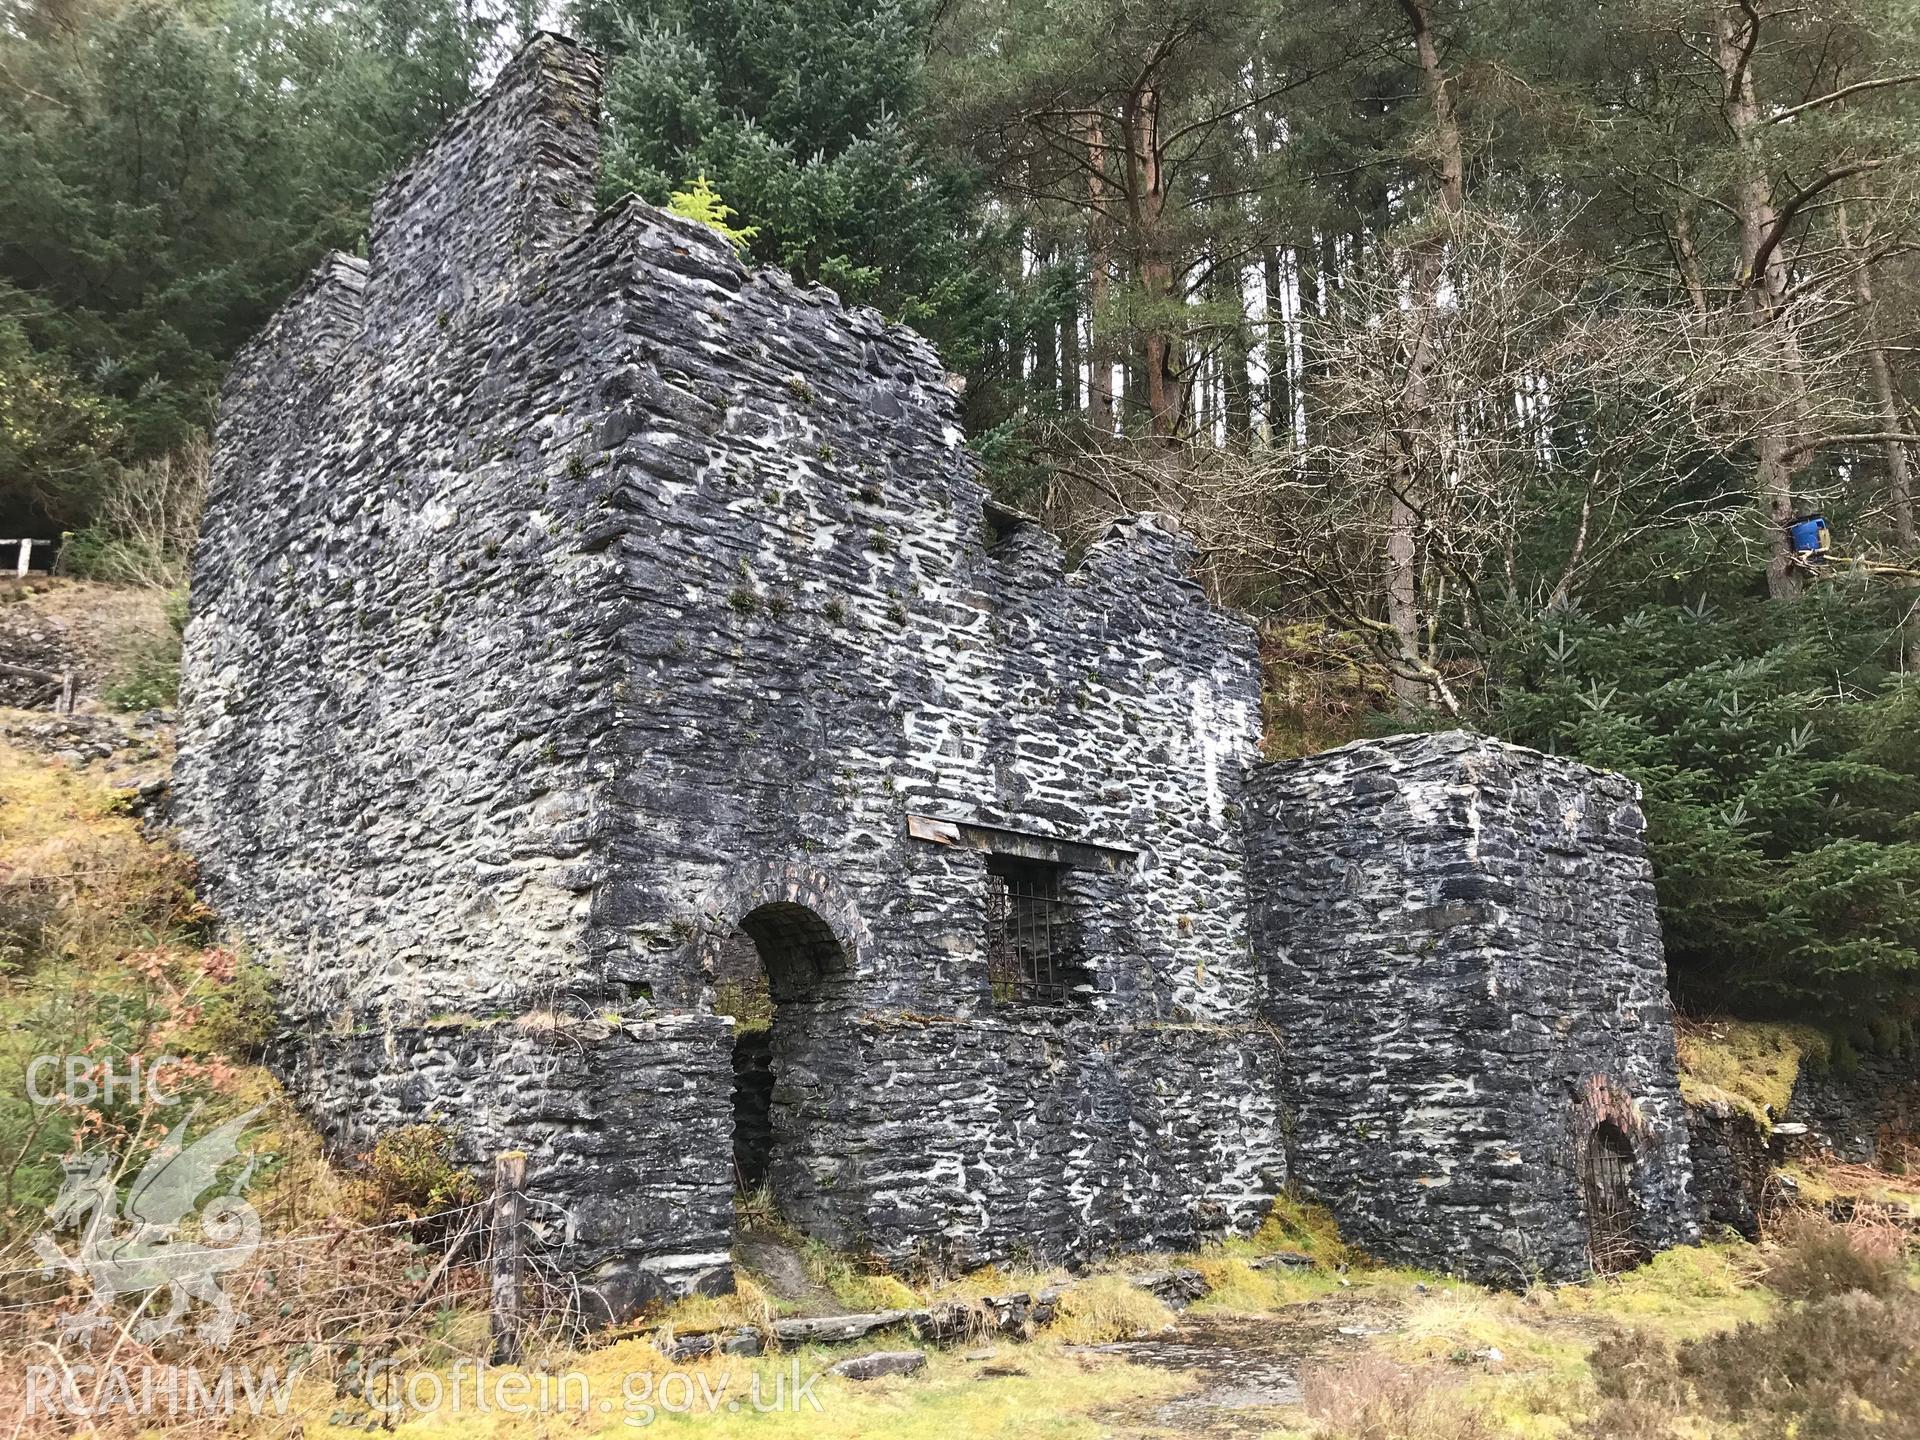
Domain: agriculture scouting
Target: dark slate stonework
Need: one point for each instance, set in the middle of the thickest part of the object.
(1854, 1113)
(1464, 954)
(1732, 1161)
(575, 607)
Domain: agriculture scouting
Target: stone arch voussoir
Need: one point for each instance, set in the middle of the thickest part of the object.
(771, 885)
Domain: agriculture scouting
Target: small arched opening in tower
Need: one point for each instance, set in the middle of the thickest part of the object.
(1607, 1173)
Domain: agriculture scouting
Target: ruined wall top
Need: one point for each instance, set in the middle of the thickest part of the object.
(505, 185)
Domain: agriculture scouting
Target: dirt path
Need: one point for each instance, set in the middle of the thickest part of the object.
(59, 625)
(1248, 1367)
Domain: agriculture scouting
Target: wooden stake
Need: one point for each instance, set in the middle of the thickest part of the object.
(509, 1262)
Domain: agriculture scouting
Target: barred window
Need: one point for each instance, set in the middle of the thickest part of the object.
(1034, 955)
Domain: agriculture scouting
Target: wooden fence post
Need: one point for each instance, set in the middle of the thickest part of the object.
(508, 1262)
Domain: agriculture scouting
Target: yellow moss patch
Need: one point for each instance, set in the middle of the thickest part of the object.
(1686, 1292)
(1513, 1334)
(1321, 687)
(1103, 1308)
(999, 1280)
(98, 885)
(1236, 1288)
(748, 1305)
(1061, 1396)
(850, 1285)
(1747, 1064)
(1295, 1224)
(1530, 1406)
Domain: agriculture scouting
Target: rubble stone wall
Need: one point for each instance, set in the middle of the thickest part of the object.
(1463, 949)
(570, 596)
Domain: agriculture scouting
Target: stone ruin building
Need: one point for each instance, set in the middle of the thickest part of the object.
(616, 707)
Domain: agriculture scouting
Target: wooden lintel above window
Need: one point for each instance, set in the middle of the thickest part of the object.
(1027, 844)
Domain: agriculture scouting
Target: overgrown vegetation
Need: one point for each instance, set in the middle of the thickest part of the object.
(1842, 1367)
(106, 960)
(1750, 1064)
(1818, 1259)
(1302, 1226)
(1691, 1345)
(702, 203)
(107, 970)
(1775, 751)
(1373, 1398)
(146, 675)
(1108, 1307)
(168, 173)
(1487, 349)
(410, 1174)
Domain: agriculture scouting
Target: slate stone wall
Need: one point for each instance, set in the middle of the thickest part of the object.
(572, 599)
(629, 1155)
(949, 1144)
(1732, 1161)
(1464, 953)
(1856, 1113)
(400, 654)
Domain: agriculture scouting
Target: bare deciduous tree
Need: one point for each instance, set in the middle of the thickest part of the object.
(1548, 430)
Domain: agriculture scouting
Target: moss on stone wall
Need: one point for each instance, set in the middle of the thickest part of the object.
(1750, 1065)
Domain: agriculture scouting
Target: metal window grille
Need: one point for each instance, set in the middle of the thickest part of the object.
(1030, 935)
(1612, 1242)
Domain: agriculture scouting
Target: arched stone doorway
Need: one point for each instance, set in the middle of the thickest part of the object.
(1606, 1173)
(774, 973)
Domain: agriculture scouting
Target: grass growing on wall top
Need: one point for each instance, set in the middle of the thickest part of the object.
(1749, 1064)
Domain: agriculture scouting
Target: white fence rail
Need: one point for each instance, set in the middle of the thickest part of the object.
(24, 551)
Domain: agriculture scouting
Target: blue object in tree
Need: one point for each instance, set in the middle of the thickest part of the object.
(1809, 534)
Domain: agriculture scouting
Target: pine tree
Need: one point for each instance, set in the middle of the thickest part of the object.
(810, 119)
(168, 174)
(701, 202)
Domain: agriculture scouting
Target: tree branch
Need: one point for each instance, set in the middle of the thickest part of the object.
(1871, 437)
(1845, 90)
(1792, 206)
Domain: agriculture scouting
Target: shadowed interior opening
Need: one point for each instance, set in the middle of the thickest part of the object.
(1607, 1176)
(777, 962)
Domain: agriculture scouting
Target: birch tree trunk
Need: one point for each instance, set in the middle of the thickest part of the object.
(1235, 384)
(1277, 405)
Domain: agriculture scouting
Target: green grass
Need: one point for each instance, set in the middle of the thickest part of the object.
(1685, 1292)
(1061, 1395)
(1107, 1307)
